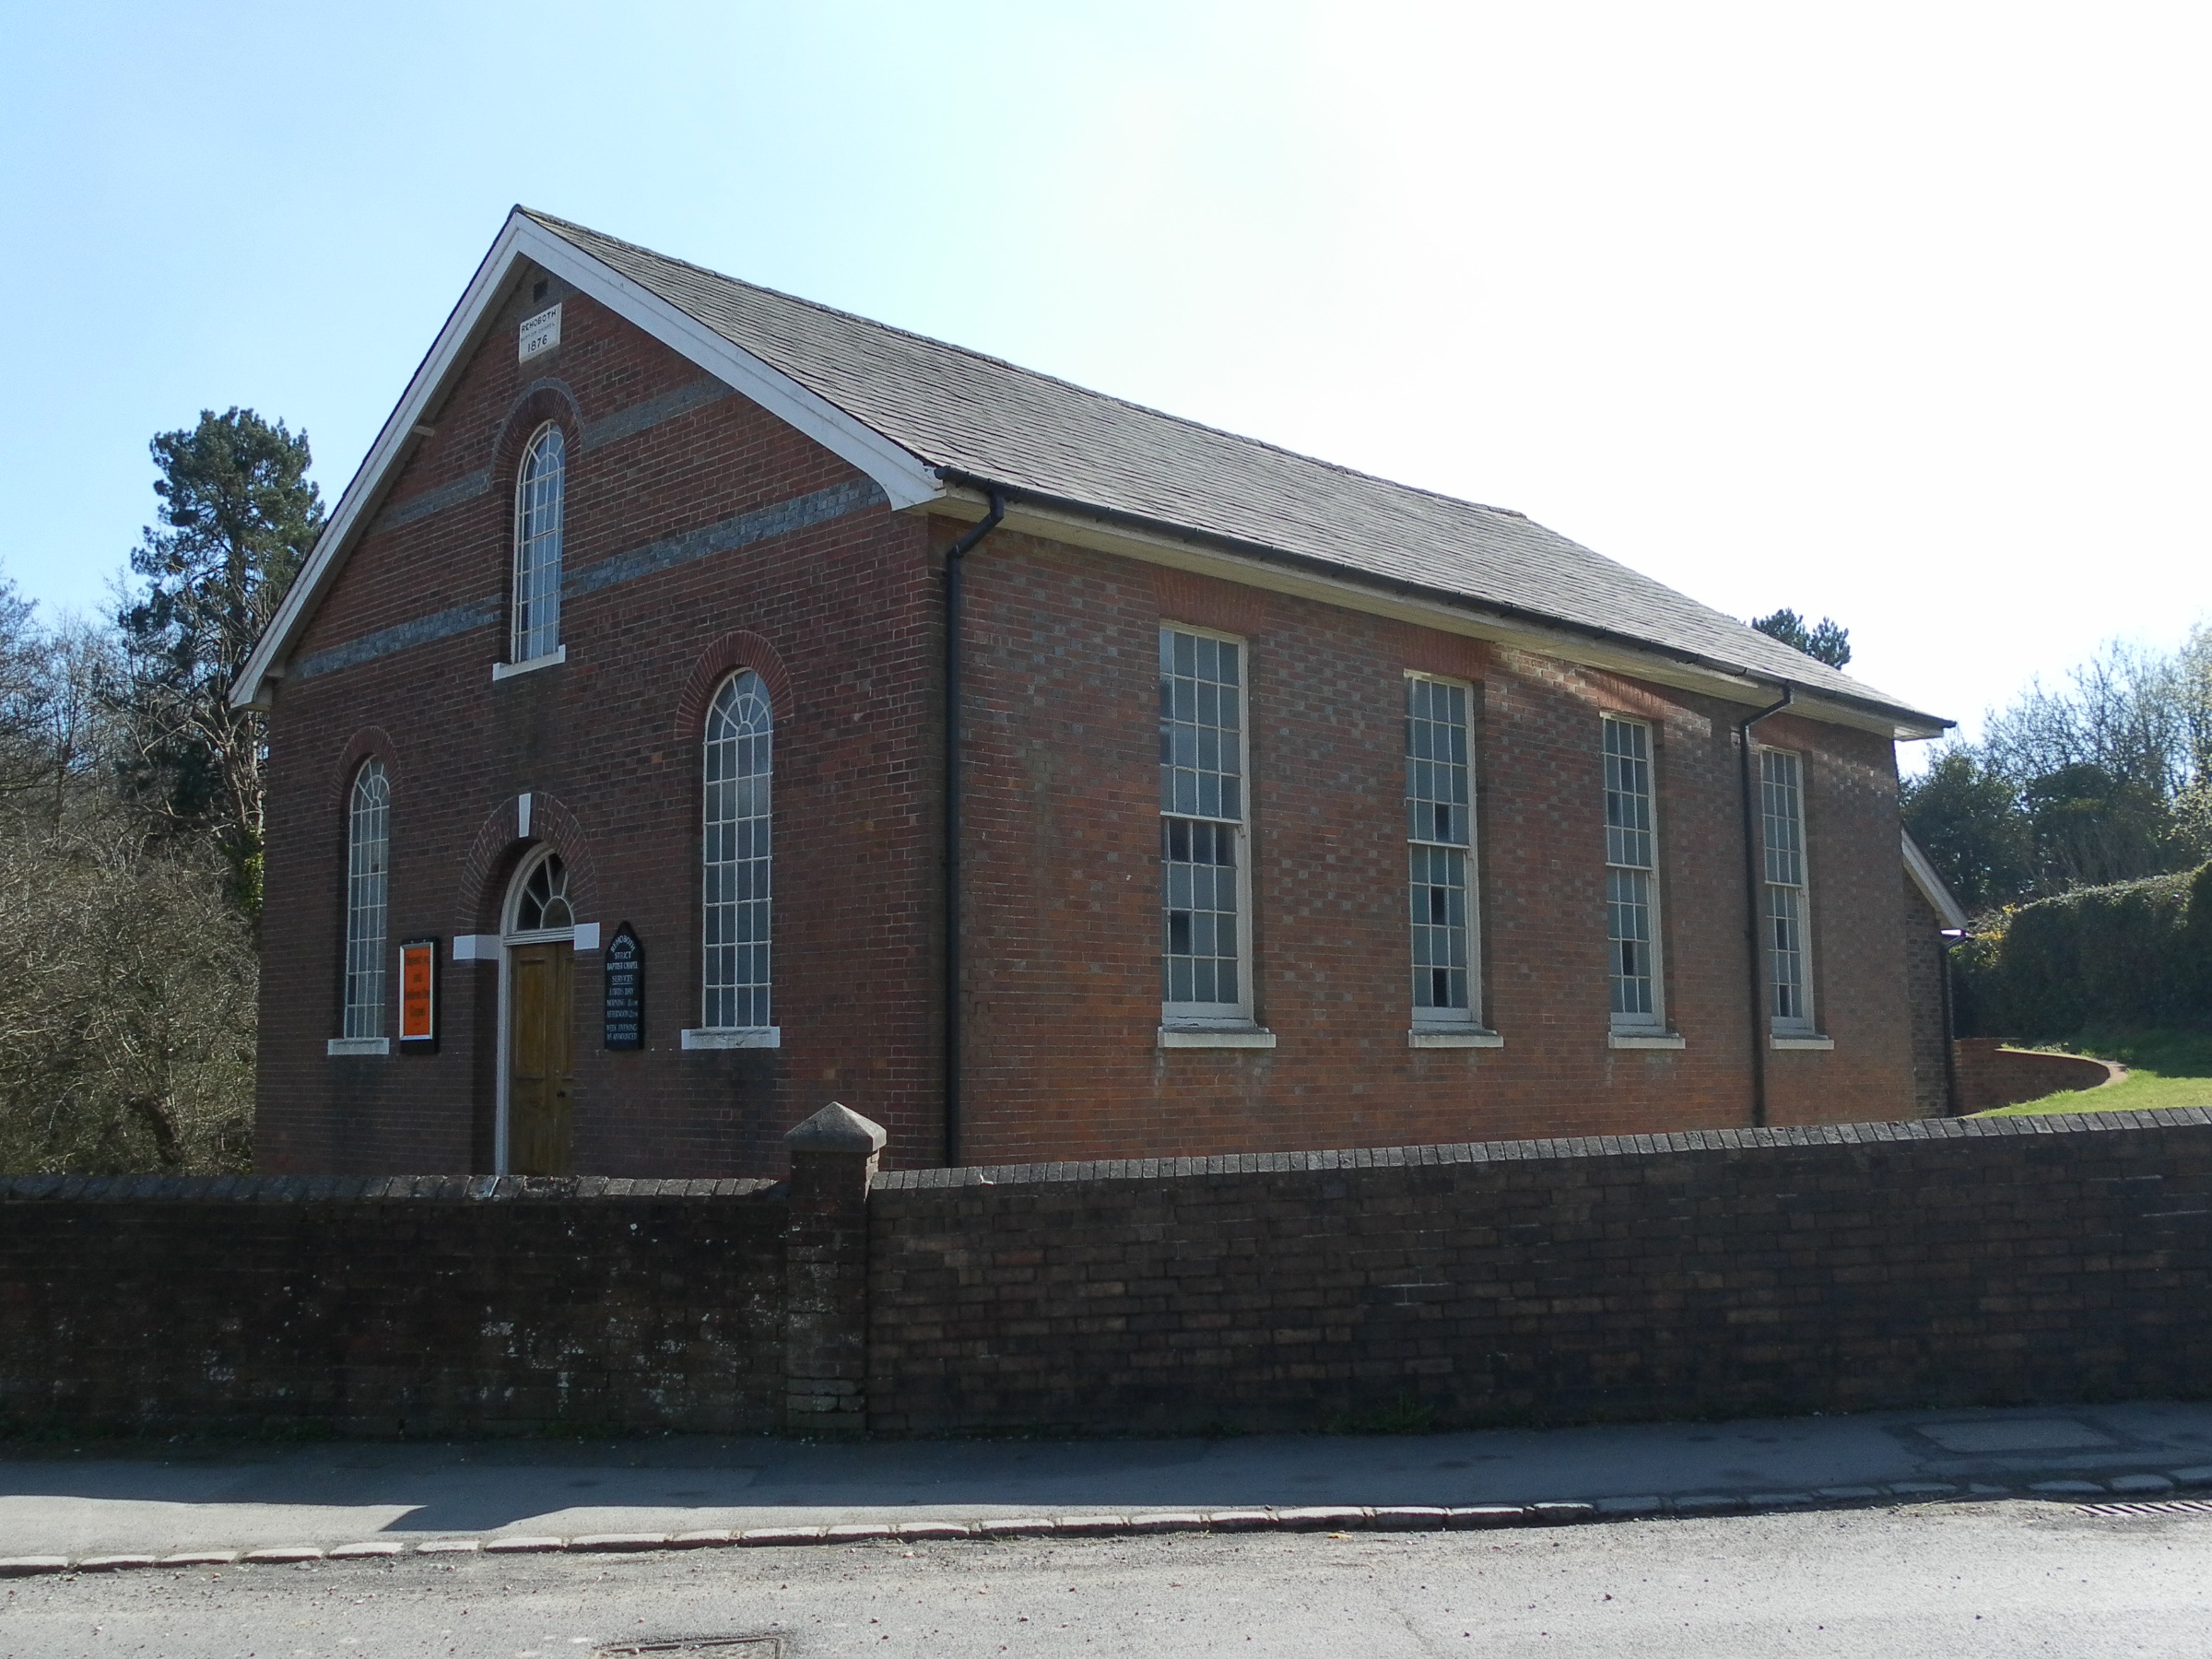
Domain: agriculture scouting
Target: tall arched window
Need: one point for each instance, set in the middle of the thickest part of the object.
(735, 981)
(368, 868)
(537, 517)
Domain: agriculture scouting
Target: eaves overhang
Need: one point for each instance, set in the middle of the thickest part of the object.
(1283, 569)
(910, 480)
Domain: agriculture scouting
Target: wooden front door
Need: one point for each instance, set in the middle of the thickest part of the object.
(541, 1066)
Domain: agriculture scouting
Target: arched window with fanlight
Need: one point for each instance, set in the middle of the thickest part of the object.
(542, 904)
(537, 527)
(368, 883)
(737, 891)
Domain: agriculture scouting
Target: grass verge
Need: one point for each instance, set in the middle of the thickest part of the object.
(2164, 1068)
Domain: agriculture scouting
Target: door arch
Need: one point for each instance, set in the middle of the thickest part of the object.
(537, 1019)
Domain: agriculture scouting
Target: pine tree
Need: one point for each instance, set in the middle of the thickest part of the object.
(1824, 641)
(238, 517)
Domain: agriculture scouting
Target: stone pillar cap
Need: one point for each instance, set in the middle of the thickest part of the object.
(836, 1128)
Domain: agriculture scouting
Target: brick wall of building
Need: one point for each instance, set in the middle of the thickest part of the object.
(1927, 967)
(1062, 892)
(391, 1307)
(1744, 1271)
(838, 615)
(837, 602)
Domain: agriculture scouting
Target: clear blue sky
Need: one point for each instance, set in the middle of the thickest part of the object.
(1896, 312)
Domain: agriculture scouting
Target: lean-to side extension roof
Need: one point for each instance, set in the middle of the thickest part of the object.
(1922, 871)
(936, 423)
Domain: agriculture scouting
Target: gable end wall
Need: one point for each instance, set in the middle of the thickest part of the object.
(700, 531)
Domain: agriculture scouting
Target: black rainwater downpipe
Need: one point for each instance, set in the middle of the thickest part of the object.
(1945, 962)
(1751, 887)
(953, 556)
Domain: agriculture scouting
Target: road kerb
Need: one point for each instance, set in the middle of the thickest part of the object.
(1332, 1519)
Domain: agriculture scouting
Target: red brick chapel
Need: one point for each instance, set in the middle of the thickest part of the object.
(616, 823)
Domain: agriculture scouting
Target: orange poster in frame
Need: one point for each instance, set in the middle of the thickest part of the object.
(418, 995)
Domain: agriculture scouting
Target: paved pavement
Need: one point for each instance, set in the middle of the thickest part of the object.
(59, 1506)
(1951, 1580)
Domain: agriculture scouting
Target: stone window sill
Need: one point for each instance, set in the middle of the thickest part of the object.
(1442, 1037)
(1776, 1040)
(749, 1037)
(559, 654)
(357, 1045)
(1231, 1036)
(1644, 1040)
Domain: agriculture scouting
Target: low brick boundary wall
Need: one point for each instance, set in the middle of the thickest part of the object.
(1991, 1074)
(391, 1307)
(1836, 1268)
(1739, 1271)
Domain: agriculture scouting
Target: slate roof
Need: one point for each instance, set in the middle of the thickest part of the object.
(981, 419)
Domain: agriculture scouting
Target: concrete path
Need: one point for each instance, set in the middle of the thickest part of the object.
(58, 1507)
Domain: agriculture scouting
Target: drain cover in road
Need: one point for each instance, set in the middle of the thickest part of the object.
(2018, 1434)
(674, 1647)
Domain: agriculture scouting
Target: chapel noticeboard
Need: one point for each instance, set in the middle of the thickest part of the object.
(623, 962)
(419, 996)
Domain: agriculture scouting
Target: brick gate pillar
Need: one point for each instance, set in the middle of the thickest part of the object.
(825, 1272)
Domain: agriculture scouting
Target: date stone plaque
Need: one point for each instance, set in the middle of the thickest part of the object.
(624, 964)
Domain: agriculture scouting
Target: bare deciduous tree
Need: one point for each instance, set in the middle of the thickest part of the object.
(2108, 778)
(127, 994)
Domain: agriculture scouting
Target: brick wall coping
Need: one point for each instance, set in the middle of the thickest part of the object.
(1592, 1146)
(358, 1189)
(355, 1189)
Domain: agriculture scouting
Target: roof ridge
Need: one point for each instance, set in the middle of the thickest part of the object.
(553, 221)
(1408, 533)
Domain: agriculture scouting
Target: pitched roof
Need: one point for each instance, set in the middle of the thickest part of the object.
(933, 423)
(981, 420)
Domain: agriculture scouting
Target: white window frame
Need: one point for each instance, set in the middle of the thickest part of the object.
(1803, 1024)
(367, 892)
(1634, 1027)
(533, 624)
(1191, 1024)
(763, 1035)
(511, 929)
(1469, 1018)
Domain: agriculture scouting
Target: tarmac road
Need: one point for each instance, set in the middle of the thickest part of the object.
(1954, 1579)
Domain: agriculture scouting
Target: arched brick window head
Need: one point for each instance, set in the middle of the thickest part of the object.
(735, 981)
(368, 877)
(537, 524)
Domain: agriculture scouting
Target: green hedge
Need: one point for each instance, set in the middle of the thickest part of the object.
(2131, 957)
